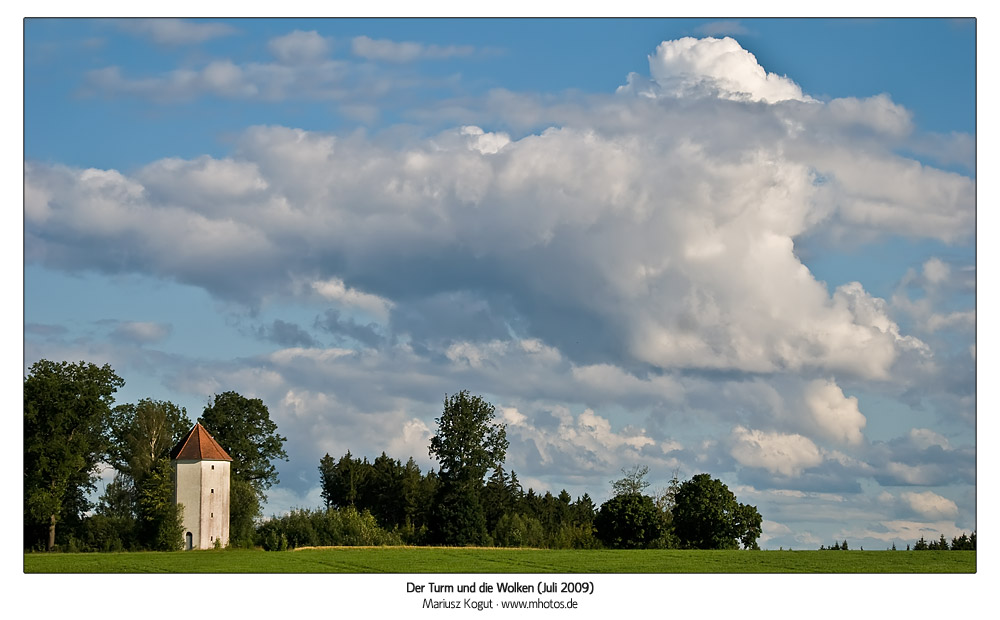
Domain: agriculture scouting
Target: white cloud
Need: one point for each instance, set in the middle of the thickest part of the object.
(910, 531)
(169, 31)
(717, 67)
(219, 77)
(511, 416)
(771, 529)
(930, 505)
(778, 453)
(932, 310)
(924, 438)
(335, 290)
(210, 184)
(583, 444)
(836, 415)
(671, 238)
(616, 384)
(485, 143)
(318, 356)
(684, 234)
(302, 74)
(954, 148)
(879, 113)
(282, 499)
(921, 475)
(299, 47)
(920, 202)
(475, 354)
(959, 319)
(404, 51)
(141, 332)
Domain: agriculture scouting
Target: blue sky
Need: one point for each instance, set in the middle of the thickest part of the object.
(745, 247)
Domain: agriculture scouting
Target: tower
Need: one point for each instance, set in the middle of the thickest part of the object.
(201, 486)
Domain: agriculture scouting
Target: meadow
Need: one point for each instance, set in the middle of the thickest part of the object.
(498, 560)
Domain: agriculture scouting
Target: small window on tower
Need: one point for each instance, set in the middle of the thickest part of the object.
(213, 466)
(213, 490)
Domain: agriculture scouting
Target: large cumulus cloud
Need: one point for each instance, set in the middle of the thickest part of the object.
(677, 244)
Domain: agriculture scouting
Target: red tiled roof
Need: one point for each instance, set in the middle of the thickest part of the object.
(198, 445)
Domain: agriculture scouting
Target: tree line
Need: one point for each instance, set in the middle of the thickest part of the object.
(958, 543)
(472, 500)
(72, 424)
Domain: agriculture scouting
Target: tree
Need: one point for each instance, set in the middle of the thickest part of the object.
(117, 509)
(468, 444)
(141, 434)
(630, 521)
(160, 527)
(748, 523)
(632, 482)
(327, 474)
(345, 482)
(244, 429)
(963, 543)
(665, 499)
(140, 438)
(707, 516)
(388, 503)
(499, 496)
(583, 510)
(458, 518)
(66, 408)
(244, 510)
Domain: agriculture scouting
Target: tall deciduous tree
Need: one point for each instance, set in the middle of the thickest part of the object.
(631, 519)
(632, 482)
(143, 433)
(140, 438)
(468, 444)
(707, 516)
(66, 408)
(243, 427)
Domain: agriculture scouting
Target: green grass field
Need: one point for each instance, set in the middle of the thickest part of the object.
(454, 560)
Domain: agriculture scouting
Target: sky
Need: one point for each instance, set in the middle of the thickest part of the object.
(740, 247)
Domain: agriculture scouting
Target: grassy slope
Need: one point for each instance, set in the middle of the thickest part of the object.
(445, 560)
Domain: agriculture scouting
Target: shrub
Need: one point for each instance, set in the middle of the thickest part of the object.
(517, 530)
(314, 528)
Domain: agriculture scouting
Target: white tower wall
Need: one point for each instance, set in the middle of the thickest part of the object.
(203, 490)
